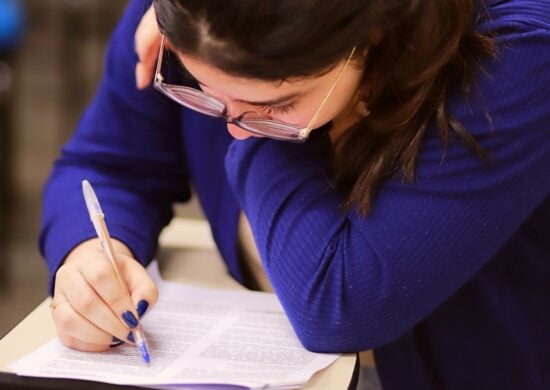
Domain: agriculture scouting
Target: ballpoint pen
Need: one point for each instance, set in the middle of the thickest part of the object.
(98, 220)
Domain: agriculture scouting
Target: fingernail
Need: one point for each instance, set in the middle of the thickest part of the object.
(130, 319)
(131, 337)
(120, 342)
(142, 307)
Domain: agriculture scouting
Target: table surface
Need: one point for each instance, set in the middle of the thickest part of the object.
(184, 266)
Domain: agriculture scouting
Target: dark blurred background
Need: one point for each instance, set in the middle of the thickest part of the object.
(51, 55)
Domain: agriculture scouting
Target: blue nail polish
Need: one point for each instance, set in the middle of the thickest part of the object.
(142, 307)
(131, 337)
(130, 319)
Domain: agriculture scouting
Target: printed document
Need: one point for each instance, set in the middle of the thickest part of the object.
(197, 336)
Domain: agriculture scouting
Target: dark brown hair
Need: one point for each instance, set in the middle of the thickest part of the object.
(428, 49)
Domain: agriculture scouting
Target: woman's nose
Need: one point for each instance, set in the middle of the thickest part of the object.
(234, 110)
(238, 133)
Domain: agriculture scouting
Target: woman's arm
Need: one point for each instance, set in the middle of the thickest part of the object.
(349, 282)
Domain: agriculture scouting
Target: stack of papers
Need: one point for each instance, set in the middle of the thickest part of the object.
(197, 336)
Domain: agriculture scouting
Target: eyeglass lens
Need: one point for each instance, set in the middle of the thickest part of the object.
(199, 101)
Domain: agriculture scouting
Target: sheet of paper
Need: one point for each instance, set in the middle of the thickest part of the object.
(196, 336)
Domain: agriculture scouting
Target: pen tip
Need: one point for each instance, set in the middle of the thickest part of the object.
(145, 353)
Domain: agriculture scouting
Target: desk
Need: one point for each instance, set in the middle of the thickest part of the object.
(196, 266)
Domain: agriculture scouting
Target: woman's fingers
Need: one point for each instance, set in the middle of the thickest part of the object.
(72, 328)
(140, 285)
(93, 291)
(82, 345)
(91, 304)
(147, 43)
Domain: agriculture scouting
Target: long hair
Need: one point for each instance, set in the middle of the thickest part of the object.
(428, 49)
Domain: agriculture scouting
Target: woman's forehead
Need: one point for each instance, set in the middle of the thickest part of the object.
(235, 86)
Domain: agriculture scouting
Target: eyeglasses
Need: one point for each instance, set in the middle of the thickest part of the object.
(251, 121)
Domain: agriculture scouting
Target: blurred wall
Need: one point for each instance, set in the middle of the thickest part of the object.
(55, 69)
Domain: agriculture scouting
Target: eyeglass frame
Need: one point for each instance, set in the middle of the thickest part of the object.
(301, 133)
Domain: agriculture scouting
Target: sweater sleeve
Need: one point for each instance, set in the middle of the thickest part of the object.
(350, 283)
(128, 145)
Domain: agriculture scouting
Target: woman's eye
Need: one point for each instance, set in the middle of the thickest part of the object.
(278, 109)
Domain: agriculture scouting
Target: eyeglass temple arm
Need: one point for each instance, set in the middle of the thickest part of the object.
(158, 75)
(305, 131)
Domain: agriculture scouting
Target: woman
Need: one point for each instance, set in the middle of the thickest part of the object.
(411, 217)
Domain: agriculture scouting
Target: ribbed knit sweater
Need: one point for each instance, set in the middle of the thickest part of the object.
(448, 278)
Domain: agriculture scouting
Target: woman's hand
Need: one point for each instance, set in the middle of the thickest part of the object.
(90, 306)
(147, 43)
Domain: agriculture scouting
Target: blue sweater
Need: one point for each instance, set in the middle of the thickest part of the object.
(447, 279)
